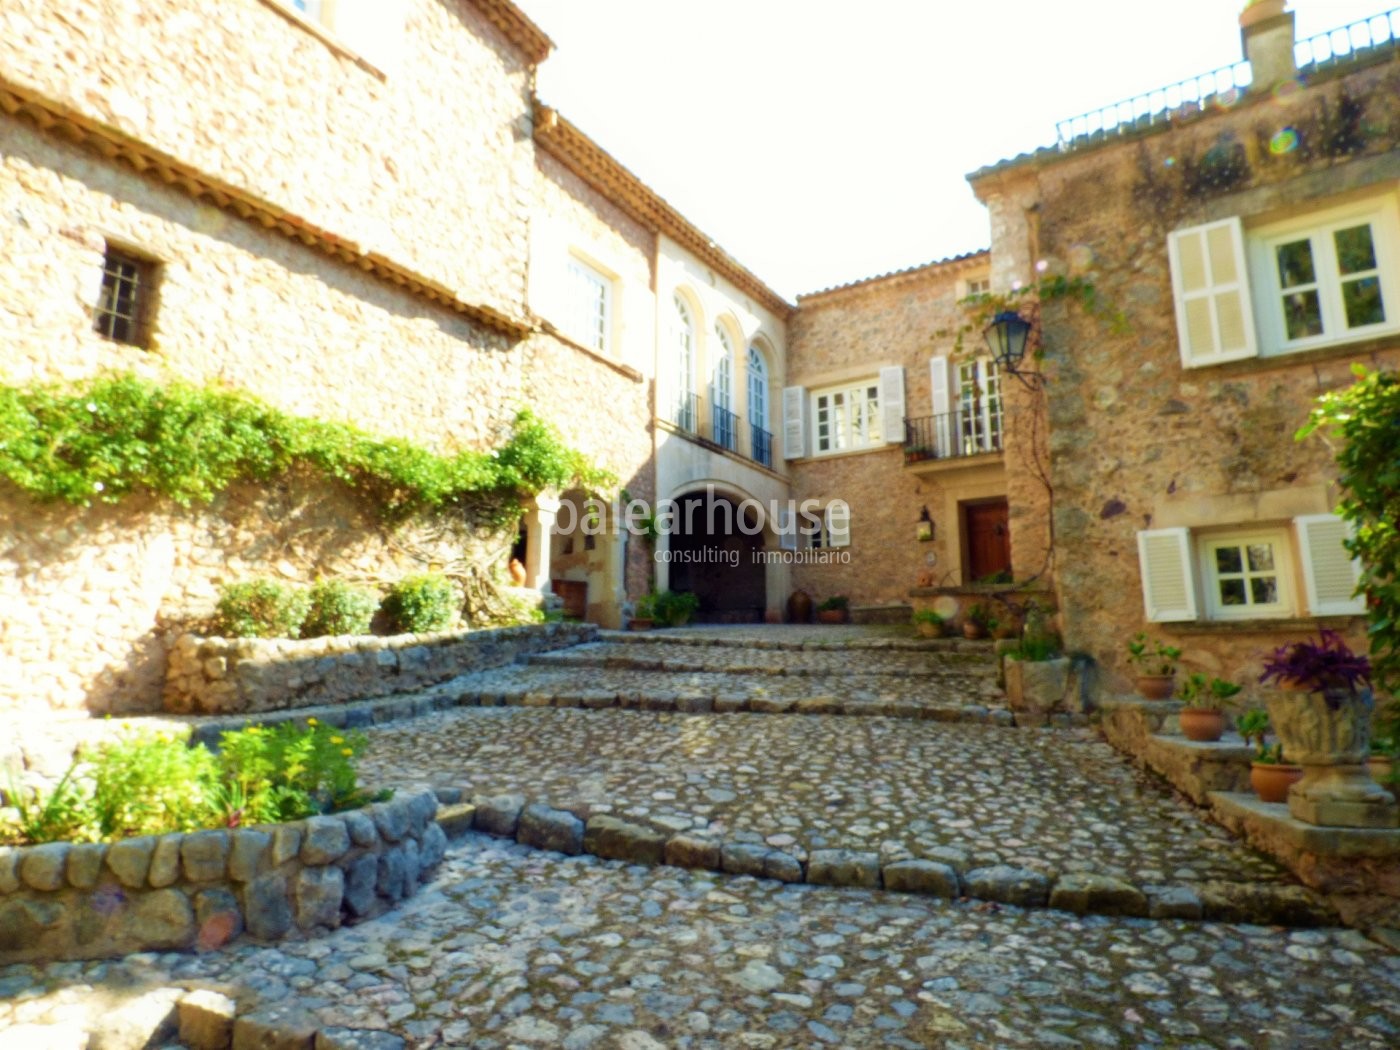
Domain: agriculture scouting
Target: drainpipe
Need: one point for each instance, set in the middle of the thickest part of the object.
(1266, 34)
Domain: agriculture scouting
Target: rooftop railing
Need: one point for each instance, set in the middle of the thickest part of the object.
(1225, 86)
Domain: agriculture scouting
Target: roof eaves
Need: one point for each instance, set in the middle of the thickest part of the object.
(928, 269)
(517, 28)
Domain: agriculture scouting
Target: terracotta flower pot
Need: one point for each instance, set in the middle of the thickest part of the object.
(799, 607)
(1202, 724)
(1271, 781)
(831, 615)
(930, 630)
(973, 630)
(640, 623)
(1155, 686)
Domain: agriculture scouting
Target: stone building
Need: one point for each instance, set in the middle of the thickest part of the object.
(266, 190)
(1252, 242)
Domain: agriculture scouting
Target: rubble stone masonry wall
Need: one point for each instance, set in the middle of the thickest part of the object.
(429, 162)
(1138, 441)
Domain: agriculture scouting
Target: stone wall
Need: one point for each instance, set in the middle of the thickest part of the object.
(205, 888)
(429, 162)
(907, 319)
(1137, 441)
(235, 675)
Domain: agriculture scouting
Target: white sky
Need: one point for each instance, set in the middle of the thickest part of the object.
(821, 141)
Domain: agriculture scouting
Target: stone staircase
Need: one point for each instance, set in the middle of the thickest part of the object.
(733, 669)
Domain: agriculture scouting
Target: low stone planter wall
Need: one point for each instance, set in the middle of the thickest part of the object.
(236, 675)
(202, 889)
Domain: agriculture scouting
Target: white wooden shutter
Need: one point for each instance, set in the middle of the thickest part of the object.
(1168, 575)
(940, 373)
(794, 422)
(1214, 312)
(892, 405)
(1330, 573)
(838, 525)
(373, 29)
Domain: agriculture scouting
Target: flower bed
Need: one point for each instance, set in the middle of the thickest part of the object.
(201, 889)
(235, 675)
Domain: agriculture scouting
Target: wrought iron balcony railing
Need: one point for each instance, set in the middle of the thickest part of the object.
(760, 445)
(686, 413)
(951, 435)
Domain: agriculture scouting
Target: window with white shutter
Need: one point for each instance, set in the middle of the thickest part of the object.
(794, 422)
(944, 423)
(1330, 573)
(1246, 575)
(1214, 311)
(892, 404)
(838, 525)
(1168, 575)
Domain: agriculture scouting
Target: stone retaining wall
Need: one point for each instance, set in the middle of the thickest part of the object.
(234, 675)
(201, 890)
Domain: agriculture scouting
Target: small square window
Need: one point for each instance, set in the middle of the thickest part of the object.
(1246, 576)
(124, 307)
(979, 286)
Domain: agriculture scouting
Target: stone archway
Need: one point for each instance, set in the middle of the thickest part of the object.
(715, 551)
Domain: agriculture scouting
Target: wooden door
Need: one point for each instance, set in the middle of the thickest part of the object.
(986, 527)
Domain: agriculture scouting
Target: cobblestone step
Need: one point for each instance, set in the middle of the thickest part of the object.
(798, 638)
(671, 658)
(574, 828)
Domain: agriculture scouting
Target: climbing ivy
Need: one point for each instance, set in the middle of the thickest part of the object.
(1366, 417)
(980, 310)
(115, 434)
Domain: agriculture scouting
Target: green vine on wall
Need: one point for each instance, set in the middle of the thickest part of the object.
(109, 436)
(1027, 300)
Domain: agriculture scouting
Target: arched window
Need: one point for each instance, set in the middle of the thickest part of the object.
(683, 346)
(726, 423)
(760, 440)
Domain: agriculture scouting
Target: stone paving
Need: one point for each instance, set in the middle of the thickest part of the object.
(511, 947)
(1049, 800)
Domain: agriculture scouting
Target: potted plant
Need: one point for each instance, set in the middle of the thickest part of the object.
(643, 616)
(1321, 714)
(675, 608)
(929, 623)
(978, 622)
(1269, 774)
(835, 609)
(1203, 717)
(1155, 665)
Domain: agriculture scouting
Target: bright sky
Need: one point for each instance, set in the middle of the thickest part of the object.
(821, 141)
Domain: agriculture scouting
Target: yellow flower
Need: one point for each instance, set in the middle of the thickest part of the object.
(337, 740)
(347, 752)
(312, 722)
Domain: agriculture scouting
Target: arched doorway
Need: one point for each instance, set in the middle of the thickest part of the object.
(715, 551)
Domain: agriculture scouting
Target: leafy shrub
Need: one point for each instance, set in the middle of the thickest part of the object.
(675, 608)
(1205, 693)
(1035, 650)
(1151, 657)
(150, 784)
(836, 601)
(338, 608)
(928, 616)
(286, 772)
(260, 609)
(419, 604)
(107, 436)
(1327, 663)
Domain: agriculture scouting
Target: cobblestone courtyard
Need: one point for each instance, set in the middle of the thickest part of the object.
(512, 946)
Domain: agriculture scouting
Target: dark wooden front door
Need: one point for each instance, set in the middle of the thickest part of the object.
(988, 534)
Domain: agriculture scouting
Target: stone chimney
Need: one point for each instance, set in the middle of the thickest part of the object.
(1266, 31)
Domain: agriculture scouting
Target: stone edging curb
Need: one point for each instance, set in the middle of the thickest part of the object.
(945, 873)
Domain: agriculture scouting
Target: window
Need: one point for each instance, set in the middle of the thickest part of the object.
(588, 309)
(833, 530)
(979, 419)
(1248, 573)
(683, 348)
(1321, 280)
(125, 304)
(979, 286)
(314, 9)
(760, 439)
(726, 423)
(846, 417)
(1328, 281)
(1246, 576)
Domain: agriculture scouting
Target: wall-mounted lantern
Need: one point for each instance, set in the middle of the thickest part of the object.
(923, 528)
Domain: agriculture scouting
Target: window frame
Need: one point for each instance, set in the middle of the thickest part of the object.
(145, 282)
(981, 414)
(1319, 229)
(870, 433)
(1284, 547)
(576, 270)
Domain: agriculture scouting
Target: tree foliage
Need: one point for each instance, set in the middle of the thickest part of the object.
(1366, 418)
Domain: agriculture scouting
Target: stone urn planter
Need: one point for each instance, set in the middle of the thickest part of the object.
(1328, 733)
(1271, 780)
(799, 607)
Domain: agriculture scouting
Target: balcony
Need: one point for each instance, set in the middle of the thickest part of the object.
(724, 431)
(952, 439)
